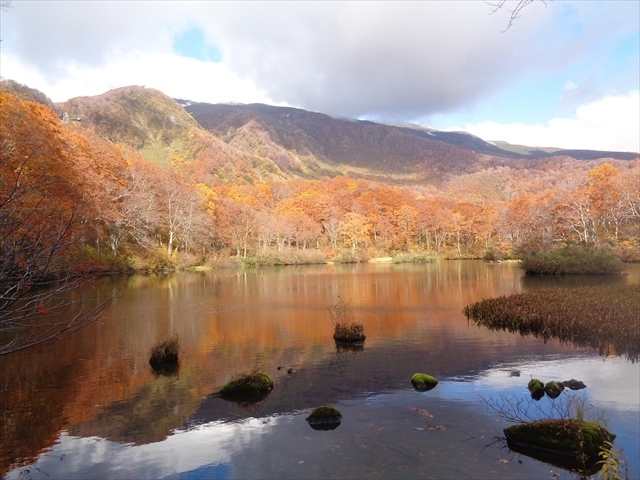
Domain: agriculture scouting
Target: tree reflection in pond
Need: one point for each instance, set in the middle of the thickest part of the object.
(93, 399)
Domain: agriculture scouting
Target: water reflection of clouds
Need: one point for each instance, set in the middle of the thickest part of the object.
(201, 452)
(611, 382)
(211, 450)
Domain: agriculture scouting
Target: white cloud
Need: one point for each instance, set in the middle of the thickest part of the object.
(391, 61)
(610, 123)
(397, 59)
(176, 76)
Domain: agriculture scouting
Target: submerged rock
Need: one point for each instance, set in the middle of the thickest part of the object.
(423, 382)
(574, 384)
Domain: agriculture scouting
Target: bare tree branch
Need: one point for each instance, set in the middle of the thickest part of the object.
(37, 280)
(515, 11)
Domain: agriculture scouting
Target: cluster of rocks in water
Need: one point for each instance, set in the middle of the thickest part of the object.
(553, 389)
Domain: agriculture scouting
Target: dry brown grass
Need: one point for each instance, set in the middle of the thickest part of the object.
(605, 317)
(345, 328)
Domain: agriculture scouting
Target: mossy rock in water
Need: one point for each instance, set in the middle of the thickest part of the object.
(247, 385)
(553, 389)
(324, 418)
(423, 382)
(534, 385)
(563, 437)
(536, 388)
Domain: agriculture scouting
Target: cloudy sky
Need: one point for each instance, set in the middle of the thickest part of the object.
(565, 74)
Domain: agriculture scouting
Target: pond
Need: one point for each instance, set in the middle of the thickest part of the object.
(89, 406)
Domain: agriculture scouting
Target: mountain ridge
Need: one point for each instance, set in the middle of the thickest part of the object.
(256, 142)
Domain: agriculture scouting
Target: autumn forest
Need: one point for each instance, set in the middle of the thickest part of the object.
(69, 192)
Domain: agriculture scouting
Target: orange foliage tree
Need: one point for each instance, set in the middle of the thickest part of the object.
(43, 227)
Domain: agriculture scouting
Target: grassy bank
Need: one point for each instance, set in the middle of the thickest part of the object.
(605, 318)
(572, 260)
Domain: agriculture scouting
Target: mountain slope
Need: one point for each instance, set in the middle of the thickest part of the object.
(145, 119)
(342, 144)
(358, 147)
(256, 142)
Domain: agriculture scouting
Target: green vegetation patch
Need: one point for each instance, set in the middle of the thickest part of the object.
(423, 382)
(570, 437)
(412, 257)
(286, 257)
(572, 260)
(247, 385)
(603, 317)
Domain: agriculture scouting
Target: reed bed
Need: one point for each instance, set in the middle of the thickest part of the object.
(604, 317)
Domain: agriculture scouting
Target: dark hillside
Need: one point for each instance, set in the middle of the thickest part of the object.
(362, 145)
(370, 150)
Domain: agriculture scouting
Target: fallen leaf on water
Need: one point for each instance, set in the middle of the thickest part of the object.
(422, 411)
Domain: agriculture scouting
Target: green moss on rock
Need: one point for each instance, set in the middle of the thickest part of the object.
(567, 437)
(553, 389)
(535, 385)
(423, 382)
(325, 412)
(247, 385)
(324, 418)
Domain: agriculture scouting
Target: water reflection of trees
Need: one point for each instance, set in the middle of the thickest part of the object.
(99, 382)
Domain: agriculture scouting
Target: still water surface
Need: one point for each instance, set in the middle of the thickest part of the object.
(88, 406)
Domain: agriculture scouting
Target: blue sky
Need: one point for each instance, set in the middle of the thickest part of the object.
(191, 44)
(565, 74)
